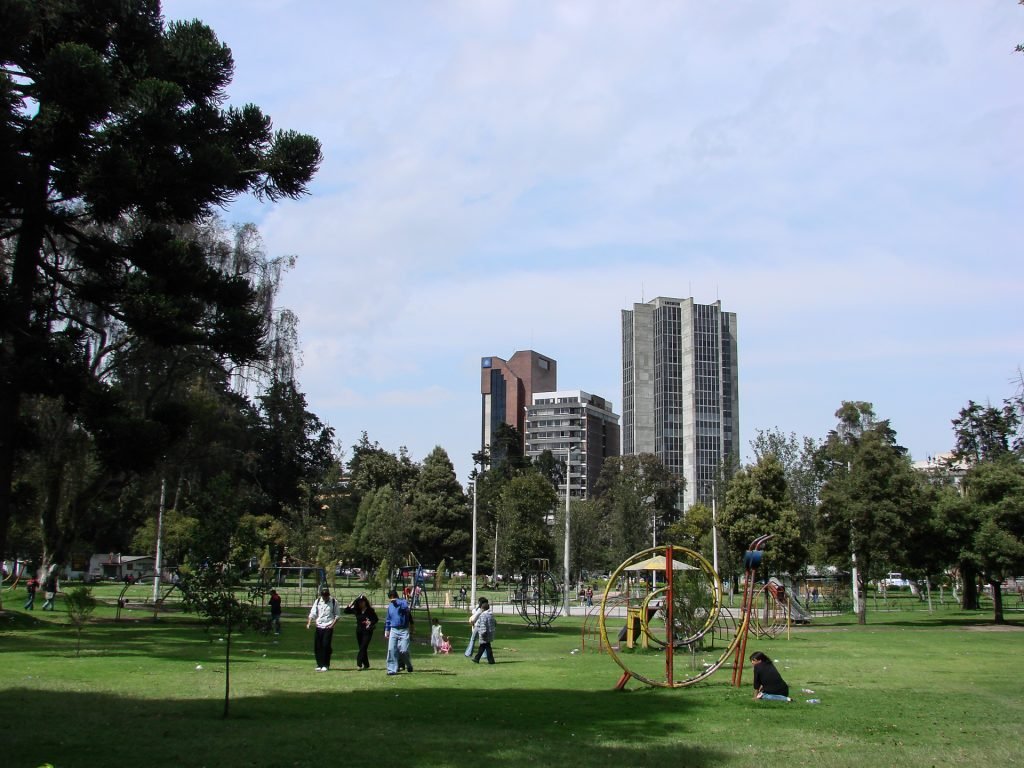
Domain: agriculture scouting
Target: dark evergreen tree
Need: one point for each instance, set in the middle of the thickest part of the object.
(804, 475)
(439, 516)
(521, 514)
(294, 449)
(984, 520)
(106, 112)
(759, 502)
(638, 494)
(372, 467)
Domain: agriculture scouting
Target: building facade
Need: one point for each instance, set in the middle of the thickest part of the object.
(507, 387)
(575, 426)
(680, 388)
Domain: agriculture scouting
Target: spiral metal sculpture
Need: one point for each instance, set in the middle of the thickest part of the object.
(538, 597)
(661, 634)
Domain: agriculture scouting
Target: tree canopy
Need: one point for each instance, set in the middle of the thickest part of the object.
(759, 502)
(873, 503)
(115, 132)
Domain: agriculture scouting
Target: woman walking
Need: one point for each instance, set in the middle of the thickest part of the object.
(485, 627)
(366, 620)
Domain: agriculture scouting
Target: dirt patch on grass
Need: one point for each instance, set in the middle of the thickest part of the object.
(996, 628)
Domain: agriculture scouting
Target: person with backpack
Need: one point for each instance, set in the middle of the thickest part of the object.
(485, 628)
(398, 633)
(50, 588)
(326, 614)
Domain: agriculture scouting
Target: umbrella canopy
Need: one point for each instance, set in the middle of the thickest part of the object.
(657, 563)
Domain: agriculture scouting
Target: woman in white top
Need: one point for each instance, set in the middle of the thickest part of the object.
(472, 624)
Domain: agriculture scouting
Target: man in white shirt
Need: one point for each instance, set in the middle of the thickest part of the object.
(325, 612)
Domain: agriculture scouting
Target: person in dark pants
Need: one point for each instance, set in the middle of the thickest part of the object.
(366, 620)
(275, 611)
(325, 613)
(485, 627)
(768, 683)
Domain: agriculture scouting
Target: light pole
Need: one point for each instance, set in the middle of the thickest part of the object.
(853, 548)
(159, 536)
(654, 532)
(714, 526)
(853, 554)
(472, 592)
(565, 554)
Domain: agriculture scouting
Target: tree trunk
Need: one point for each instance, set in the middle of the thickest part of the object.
(997, 601)
(862, 608)
(970, 584)
(18, 340)
(227, 667)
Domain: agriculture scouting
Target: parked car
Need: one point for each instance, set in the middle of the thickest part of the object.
(895, 579)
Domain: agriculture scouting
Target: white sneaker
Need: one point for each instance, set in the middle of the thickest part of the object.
(321, 669)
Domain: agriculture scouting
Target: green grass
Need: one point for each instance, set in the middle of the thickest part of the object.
(910, 689)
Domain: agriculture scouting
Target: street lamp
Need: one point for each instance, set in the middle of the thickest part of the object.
(565, 555)
(853, 554)
(714, 525)
(159, 536)
(853, 548)
(472, 597)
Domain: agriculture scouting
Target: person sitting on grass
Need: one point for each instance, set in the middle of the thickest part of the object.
(768, 683)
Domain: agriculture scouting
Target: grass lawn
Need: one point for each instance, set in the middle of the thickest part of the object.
(910, 689)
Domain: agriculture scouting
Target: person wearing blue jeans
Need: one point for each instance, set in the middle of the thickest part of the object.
(398, 631)
(473, 637)
(32, 586)
(768, 683)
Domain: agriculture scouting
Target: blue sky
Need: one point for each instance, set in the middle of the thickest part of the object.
(507, 175)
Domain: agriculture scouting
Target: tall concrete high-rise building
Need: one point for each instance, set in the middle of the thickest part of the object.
(680, 388)
(507, 387)
(578, 428)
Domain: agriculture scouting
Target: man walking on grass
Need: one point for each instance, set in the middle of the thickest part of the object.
(398, 632)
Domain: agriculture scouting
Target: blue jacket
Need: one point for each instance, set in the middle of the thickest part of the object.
(399, 616)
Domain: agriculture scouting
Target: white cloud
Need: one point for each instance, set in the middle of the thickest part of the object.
(509, 175)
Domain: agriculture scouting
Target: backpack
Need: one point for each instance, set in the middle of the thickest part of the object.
(334, 604)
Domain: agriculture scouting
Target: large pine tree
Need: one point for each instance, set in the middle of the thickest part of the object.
(440, 517)
(109, 114)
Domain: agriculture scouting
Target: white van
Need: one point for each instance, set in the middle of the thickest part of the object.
(895, 579)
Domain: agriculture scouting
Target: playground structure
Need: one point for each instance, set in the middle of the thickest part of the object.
(13, 572)
(666, 634)
(775, 610)
(129, 594)
(538, 596)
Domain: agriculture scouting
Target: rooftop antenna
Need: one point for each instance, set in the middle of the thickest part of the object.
(642, 297)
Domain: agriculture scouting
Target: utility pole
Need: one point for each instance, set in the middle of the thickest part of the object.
(472, 591)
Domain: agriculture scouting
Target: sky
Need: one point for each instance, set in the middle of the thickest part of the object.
(502, 175)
